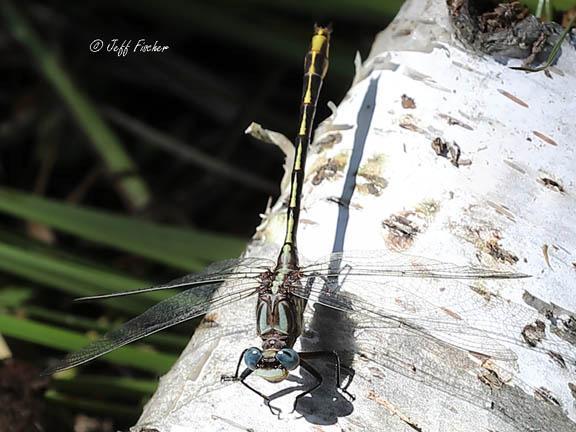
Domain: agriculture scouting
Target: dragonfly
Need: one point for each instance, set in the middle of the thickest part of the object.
(284, 286)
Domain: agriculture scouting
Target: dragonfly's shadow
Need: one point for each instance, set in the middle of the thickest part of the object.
(329, 330)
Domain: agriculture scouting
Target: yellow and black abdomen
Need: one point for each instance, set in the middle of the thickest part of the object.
(315, 69)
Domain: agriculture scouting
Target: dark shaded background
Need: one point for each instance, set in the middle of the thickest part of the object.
(226, 66)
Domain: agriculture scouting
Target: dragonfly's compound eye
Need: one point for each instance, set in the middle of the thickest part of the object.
(251, 357)
(288, 358)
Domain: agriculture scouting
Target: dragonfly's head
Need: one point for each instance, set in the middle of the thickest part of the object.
(272, 364)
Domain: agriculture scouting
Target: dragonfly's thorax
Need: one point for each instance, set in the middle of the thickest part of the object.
(279, 313)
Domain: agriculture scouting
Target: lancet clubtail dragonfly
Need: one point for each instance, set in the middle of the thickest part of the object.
(283, 287)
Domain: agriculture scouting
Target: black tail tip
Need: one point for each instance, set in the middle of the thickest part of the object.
(324, 29)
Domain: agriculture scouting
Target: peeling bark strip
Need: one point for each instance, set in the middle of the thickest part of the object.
(551, 184)
(330, 170)
(454, 121)
(545, 138)
(505, 30)
(545, 395)
(329, 141)
(443, 148)
(502, 209)
(513, 98)
(491, 379)
(514, 166)
(408, 102)
(558, 359)
(534, 333)
(402, 230)
(371, 171)
(393, 410)
(494, 249)
(407, 122)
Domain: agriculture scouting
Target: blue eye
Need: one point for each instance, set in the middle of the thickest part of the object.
(251, 357)
(288, 358)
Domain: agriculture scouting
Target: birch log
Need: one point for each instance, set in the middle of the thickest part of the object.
(442, 152)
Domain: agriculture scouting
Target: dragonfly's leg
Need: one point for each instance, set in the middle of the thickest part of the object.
(310, 281)
(314, 275)
(344, 389)
(237, 377)
(234, 377)
(336, 359)
(330, 281)
(312, 372)
(239, 363)
(274, 410)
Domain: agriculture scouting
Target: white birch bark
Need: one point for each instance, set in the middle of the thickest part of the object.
(514, 200)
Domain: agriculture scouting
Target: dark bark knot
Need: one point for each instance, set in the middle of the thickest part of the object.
(503, 30)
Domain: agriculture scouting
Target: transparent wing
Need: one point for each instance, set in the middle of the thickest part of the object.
(241, 268)
(189, 304)
(443, 309)
(426, 363)
(398, 265)
(417, 365)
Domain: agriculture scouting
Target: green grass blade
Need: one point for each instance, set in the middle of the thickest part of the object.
(108, 409)
(14, 296)
(104, 386)
(553, 53)
(560, 5)
(65, 340)
(162, 339)
(178, 247)
(74, 279)
(100, 134)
